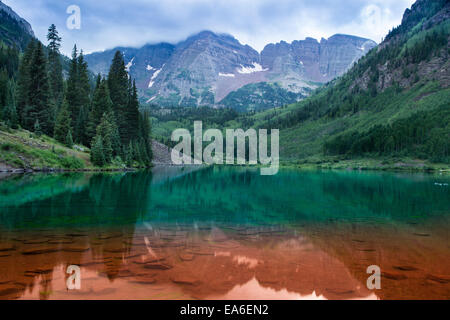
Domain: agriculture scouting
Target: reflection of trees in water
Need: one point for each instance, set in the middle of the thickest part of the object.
(69, 215)
(241, 195)
(46, 201)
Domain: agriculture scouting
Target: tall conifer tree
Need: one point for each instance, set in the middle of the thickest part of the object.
(72, 94)
(55, 66)
(118, 88)
(23, 82)
(39, 106)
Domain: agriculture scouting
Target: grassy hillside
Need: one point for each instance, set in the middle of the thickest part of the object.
(23, 149)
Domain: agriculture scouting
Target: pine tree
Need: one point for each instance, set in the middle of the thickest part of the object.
(145, 134)
(62, 126)
(84, 99)
(55, 66)
(105, 131)
(143, 151)
(132, 115)
(118, 88)
(129, 155)
(80, 127)
(23, 84)
(97, 156)
(39, 93)
(115, 137)
(72, 94)
(10, 116)
(4, 86)
(69, 140)
(101, 104)
(137, 152)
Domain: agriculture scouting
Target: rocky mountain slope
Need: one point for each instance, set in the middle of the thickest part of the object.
(207, 67)
(393, 104)
(14, 30)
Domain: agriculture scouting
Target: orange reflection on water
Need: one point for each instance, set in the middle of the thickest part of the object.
(229, 262)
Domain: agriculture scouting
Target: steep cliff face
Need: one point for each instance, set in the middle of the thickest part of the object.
(207, 67)
(314, 61)
(14, 30)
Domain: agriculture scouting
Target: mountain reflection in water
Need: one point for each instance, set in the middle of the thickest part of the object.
(224, 233)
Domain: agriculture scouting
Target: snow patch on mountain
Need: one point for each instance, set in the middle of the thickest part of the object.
(256, 67)
(129, 65)
(229, 75)
(151, 99)
(150, 68)
(155, 74)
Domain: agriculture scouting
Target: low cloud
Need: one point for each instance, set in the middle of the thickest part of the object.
(107, 24)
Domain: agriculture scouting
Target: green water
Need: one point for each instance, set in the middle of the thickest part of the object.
(221, 196)
(220, 232)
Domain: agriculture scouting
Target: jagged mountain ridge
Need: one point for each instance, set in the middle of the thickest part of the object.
(205, 68)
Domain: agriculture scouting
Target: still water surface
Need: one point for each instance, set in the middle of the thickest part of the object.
(225, 233)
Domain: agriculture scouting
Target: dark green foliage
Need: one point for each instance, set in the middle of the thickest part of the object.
(145, 137)
(119, 91)
(9, 60)
(105, 131)
(132, 115)
(259, 96)
(207, 114)
(422, 50)
(4, 87)
(39, 93)
(81, 126)
(62, 126)
(23, 82)
(97, 156)
(129, 155)
(425, 135)
(84, 87)
(69, 140)
(10, 116)
(78, 95)
(101, 104)
(113, 132)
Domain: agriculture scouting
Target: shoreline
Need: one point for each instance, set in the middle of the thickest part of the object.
(309, 166)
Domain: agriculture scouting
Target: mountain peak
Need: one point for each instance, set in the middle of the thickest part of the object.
(206, 67)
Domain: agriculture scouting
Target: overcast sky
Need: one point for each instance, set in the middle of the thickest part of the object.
(107, 24)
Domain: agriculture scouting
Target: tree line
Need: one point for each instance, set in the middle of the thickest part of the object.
(424, 134)
(102, 114)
